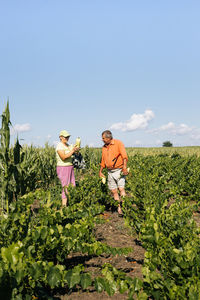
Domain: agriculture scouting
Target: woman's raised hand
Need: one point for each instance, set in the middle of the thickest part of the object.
(76, 149)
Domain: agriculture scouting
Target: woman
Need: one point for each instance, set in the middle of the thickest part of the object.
(65, 169)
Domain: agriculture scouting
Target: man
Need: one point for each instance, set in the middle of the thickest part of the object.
(114, 158)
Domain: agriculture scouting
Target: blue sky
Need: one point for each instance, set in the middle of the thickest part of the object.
(86, 66)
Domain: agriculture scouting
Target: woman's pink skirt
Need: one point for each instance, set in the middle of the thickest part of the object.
(66, 176)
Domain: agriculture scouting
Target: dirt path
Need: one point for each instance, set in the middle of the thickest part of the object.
(114, 233)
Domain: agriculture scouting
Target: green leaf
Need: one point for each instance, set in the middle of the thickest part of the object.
(68, 243)
(138, 284)
(176, 270)
(36, 235)
(110, 287)
(193, 295)
(177, 251)
(1, 271)
(123, 287)
(99, 284)
(85, 280)
(43, 233)
(142, 296)
(19, 275)
(54, 277)
(18, 297)
(73, 278)
(36, 270)
(11, 254)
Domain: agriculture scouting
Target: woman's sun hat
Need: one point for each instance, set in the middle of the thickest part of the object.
(64, 133)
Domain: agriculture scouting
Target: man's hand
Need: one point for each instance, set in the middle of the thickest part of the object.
(125, 171)
(101, 175)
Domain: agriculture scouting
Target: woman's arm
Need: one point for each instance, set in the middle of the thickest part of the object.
(64, 155)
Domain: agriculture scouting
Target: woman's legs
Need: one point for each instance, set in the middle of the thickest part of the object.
(64, 201)
(66, 176)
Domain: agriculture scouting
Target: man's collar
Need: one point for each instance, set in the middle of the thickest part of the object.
(111, 143)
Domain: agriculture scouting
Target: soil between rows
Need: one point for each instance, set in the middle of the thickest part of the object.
(115, 234)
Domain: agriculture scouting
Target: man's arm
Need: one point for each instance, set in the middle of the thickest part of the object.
(102, 166)
(124, 167)
(124, 157)
(100, 172)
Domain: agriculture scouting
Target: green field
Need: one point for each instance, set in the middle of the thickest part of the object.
(145, 151)
(45, 247)
(184, 151)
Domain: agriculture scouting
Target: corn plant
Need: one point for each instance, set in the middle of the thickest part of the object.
(5, 165)
(9, 162)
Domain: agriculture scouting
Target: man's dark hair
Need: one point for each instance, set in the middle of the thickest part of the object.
(107, 133)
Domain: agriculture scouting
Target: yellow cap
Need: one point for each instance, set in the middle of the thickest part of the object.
(64, 133)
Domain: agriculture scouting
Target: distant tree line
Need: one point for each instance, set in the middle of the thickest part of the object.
(167, 144)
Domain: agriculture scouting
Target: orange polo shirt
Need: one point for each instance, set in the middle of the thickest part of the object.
(115, 151)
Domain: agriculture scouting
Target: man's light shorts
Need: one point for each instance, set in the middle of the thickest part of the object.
(115, 179)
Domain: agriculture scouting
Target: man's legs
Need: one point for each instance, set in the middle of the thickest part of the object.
(116, 183)
(115, 194)
(116, 197)
(122, 191)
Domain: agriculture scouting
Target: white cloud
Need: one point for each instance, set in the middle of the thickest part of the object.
(158, 142)
(184, 129)
(48, 136)
(195, 134)
(137, 121)
(138, 142)
(55, 143)
(195, 137)
(20, 128)
(171, 128)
